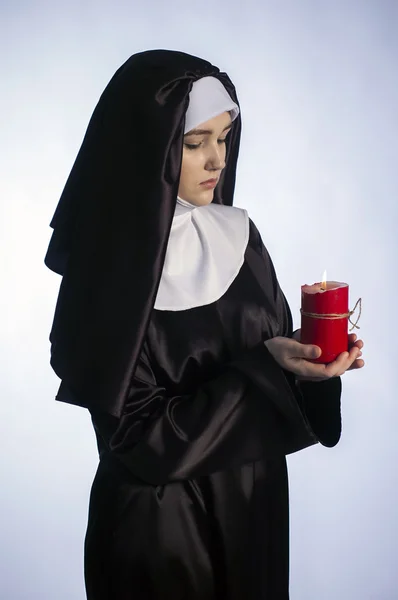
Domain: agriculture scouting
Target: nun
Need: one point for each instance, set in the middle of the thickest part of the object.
(172, 330)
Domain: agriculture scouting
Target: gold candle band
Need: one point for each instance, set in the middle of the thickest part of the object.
(332, 316)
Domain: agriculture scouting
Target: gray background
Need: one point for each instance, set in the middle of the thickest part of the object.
(317, 82)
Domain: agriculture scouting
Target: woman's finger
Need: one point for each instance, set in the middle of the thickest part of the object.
(358, 364)
(353, 341)
(307, 351)
(352, 337)
(343, 362)
(289, 349)
(338, 366)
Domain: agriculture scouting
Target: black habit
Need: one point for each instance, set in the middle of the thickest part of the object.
(190, 500)
(193, 416)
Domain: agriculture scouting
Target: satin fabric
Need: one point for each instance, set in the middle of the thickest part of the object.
(112, 223)
(190, 500)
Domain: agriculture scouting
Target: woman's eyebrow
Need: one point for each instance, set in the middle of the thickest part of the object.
(205, 131)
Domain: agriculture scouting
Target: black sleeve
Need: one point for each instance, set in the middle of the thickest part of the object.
(320, 402)
(248, 412)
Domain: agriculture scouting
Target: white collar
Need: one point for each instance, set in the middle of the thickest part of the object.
(205, 252)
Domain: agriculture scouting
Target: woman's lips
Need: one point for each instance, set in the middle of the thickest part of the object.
(209, 184)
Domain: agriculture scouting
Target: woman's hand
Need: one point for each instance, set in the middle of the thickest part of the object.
(293, 356)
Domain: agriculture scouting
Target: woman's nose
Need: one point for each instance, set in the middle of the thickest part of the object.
(216, 159)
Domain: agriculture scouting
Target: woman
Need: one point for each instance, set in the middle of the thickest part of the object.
(172, 330)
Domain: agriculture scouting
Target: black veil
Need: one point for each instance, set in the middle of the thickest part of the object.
(113, 220)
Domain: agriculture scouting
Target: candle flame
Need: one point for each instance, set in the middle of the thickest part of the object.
(324, 280)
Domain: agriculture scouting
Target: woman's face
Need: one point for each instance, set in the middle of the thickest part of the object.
(203, 158)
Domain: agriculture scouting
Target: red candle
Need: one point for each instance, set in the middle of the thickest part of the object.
(324, 318)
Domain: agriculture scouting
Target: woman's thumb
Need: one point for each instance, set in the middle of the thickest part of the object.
(310, 351)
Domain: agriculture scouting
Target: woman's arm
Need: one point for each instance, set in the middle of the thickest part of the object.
(319, 401)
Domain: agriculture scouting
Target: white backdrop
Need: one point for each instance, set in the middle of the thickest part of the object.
(318, 86)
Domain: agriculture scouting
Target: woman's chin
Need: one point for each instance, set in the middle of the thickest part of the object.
(198, 197)
(203, 197)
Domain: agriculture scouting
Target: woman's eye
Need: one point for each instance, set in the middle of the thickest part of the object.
(195, 146)
(191, 146)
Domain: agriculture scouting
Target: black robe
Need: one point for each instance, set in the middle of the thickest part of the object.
(190, 500)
